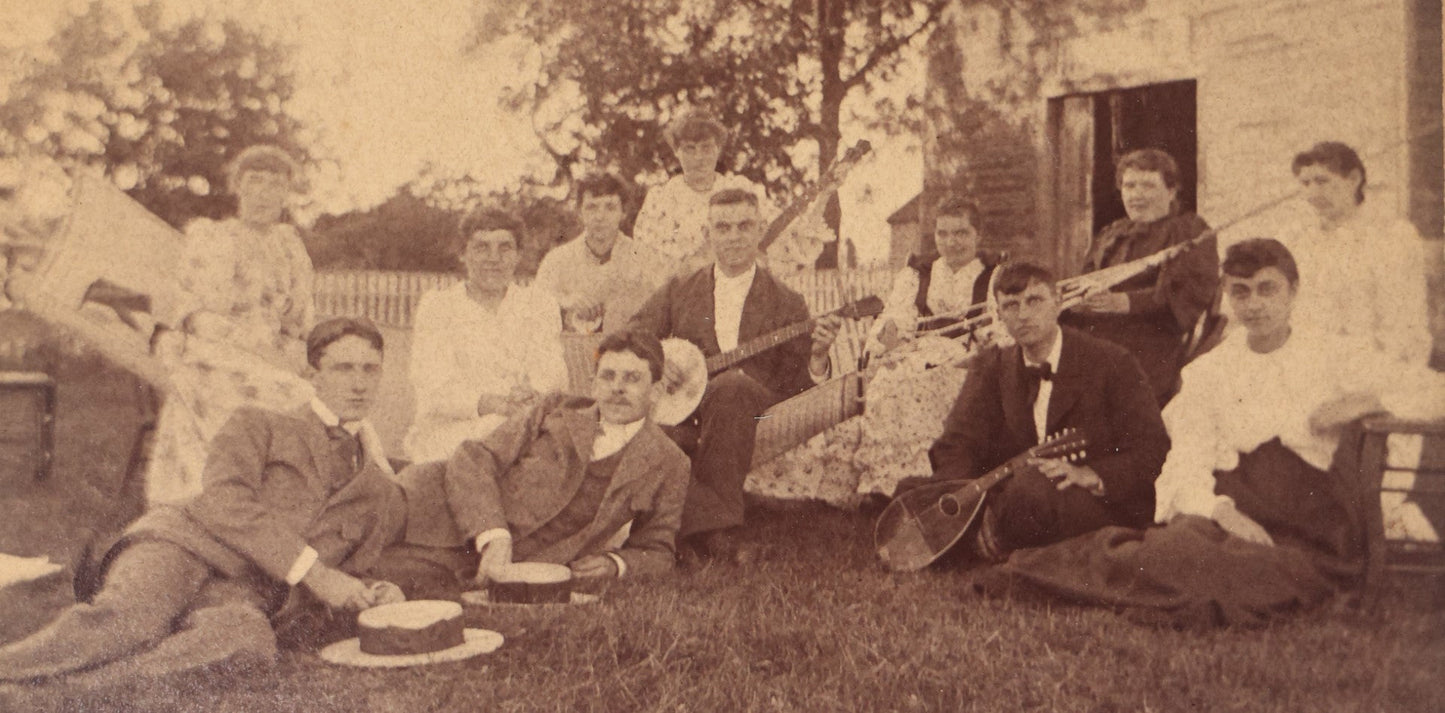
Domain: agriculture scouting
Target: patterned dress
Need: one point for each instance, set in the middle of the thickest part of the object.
(673, 215)
(245, 304)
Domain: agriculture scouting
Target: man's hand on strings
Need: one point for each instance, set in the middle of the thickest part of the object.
(825, 332)
(1065, 475)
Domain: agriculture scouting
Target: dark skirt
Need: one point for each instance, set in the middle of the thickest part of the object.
(1191, 573)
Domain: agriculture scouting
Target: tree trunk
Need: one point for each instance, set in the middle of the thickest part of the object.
(831, 24)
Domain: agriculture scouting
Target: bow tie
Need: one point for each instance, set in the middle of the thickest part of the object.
(1042, 372)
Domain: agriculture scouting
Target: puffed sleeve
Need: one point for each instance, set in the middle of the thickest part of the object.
(900, 307)
(1401, 296)
(298, 316)
(1186, 482)
(653, 227)
(432, 360)
(207, 271)
(545, 364)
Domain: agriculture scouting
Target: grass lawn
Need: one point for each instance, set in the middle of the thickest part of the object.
(817, 626)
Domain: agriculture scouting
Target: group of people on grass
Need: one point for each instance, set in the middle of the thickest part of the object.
(1210, 491)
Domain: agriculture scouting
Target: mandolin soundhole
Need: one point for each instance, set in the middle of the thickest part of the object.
(949, 505)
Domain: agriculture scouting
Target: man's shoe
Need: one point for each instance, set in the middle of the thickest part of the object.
(986, 544)
(689, 558)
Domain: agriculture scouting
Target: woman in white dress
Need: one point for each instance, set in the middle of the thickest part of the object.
(244, 303)
(672, 216)
(1362, 269)
(484, 348)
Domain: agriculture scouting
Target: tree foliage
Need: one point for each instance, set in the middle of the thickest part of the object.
(416, 228)
(161, 106)
(775, 71)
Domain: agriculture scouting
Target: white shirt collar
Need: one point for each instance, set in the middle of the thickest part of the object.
(612, 437)
(362, 429)
(1054, 352)
(330, 418)
(742, 281)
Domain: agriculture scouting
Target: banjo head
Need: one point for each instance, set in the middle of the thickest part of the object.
(679, 402)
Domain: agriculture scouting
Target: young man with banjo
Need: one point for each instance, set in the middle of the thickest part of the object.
(716, 309)
(1051, 380)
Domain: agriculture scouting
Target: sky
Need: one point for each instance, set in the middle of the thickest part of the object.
(388, 91)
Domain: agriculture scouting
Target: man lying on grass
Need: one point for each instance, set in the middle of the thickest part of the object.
(553, 484)
(288, 499)
(1256, 496)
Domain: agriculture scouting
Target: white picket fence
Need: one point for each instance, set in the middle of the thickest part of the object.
(390, 298)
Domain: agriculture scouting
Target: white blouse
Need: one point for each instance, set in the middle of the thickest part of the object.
(461, 350)
(1234, 399)
(949, 291)
(1365, 280)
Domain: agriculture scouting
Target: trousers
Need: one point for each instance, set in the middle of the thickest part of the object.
(161, 610)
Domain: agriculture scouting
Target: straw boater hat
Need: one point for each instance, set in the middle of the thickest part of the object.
(411, 634)
(529, 584)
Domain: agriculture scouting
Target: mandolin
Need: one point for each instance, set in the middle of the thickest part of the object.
(923, 523)
(681, 400)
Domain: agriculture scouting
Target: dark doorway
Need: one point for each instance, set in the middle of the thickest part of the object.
(1088, 133)
(1157, 116)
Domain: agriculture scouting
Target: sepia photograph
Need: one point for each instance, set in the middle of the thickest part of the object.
(702, 356)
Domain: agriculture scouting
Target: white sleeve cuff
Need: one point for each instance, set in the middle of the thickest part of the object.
(621, 563)
(301, 567)
(820, 378)
(490, 536)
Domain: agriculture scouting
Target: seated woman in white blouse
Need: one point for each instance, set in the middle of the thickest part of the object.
(1362, 269)
(484, 348)
(941, 285)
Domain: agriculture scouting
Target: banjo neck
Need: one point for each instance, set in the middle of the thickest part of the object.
(751, 348)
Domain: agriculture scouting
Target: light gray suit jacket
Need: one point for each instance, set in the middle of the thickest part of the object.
(524, 473)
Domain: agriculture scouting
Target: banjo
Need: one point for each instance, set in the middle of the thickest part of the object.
(681, 399)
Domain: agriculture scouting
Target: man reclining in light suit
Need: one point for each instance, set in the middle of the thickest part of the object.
(553, 484)
(291, 499)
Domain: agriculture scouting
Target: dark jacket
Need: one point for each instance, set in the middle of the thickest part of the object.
(684, 308)
(1098, 388)
(1164, 304)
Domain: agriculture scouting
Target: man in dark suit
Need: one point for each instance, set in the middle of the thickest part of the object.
(288, 499)
(553, 484)
(1051, 379)
(717, 308)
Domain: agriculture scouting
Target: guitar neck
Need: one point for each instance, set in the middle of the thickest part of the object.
(753, 347)
(830, 181)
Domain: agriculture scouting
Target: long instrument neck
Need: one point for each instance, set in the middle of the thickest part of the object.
(753, 347)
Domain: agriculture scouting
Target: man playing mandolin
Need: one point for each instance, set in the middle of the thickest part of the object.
(1051, 379)
(717, 308)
